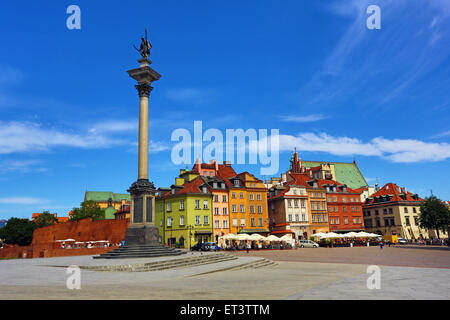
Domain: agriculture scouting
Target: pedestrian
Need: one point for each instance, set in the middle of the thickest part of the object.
(123, 243)
(389, 243)
(248, 247)
(381, 244)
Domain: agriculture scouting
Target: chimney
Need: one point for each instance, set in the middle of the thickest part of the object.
(283, 177)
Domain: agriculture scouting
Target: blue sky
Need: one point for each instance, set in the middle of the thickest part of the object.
(336, 90)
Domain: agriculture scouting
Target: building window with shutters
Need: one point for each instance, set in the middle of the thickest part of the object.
(197, 220)
(234, 208)
(181, 204)
(217, 224)
(260, 224)
(197, 204)
(252, 222)
(259, 209)
(242, 208)
(235, 222)
(225, 211)
(252, 209)
(181, 220)
(258, 196)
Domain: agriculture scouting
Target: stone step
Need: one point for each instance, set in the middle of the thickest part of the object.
(166, 264)
(254, 264)
(140, 251)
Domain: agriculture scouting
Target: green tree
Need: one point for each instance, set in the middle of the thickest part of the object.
(434, 215)
(88, 209)
(45, 219)
(18, 231)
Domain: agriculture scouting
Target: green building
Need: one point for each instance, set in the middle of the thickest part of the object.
(109, 201)
(183, 213)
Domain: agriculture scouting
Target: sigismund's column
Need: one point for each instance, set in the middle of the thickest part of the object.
(142, 229)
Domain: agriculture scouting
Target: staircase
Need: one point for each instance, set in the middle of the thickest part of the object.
(165, 264)
(140, 251)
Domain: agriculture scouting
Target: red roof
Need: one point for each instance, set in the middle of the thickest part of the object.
(394, 191)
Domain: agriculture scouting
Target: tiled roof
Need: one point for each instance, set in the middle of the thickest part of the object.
(395, 192)
(346, 173)
(192, 186)
(104, 196)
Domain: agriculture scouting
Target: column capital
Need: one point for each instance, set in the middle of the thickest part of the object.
(144, 89)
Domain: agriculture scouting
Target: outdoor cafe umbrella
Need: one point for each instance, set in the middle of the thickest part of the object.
(273, 238)
(242, 237)
(350, 235)
(229, 236)
(331, 235)
(256, 237)
(318, 234)
(286, 238)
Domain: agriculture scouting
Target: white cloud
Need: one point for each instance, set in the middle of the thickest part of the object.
(192, 95)
(21, 166)
(308, 118)
(22, 200)
(395, 150)
(112, 126)
(26, 136)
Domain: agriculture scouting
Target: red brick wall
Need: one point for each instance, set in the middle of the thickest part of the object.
(44, 245)
(82, 230)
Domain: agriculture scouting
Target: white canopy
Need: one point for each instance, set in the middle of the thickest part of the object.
(286, 238)
(256, 237)
(318, 234)
(350, 235)
(331, 235)
(242, 237)
(229, 236)
(65, 240)
(273, 238)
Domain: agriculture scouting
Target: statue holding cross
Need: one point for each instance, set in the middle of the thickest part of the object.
(145, 47)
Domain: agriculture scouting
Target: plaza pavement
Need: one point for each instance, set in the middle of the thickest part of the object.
(336, 273)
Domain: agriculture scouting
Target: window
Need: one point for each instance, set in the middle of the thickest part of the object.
(290, 217)
(205, 173)
(351, 199)
(406, 210)
(314, 218)
(205, 220)
(331, 220)
(345, 209)
(357, 209)
(303, 203)
(235, 222)
(225, 223)
(181, 204)
(233, 208)
(335, 209)
(323, 206)
(241, 195)
(260, 222)
(216, 211)
(197, 220)
(416, 220)
(205, 204)
(353, 209)
(376, 213)
(407, 220)
(211, 174)
(368, 213)
(295, 203)
(303, 217)
(243, 222)
(329, 199)
(236, 183)
(386, 222)
(377, 222)
(162, 222)
(233, 195)
(392, 222)
(345, 220)
(259, 209)
(344, 199)
(384, 211)
(414, 210)
(251, 196)
(252, 222)
(390, 210)
(169, 222)
(252, 209)
(217, 224)
(224, 198)
(319, 218)
(169, 206)
(216, 198)
(224, 211)
(337, 220)
(181, 220)
(197, 204)
(354, 220)
(297, 217)
(289, 203)
(359, 220)
(330, 209)
(313, 205)
(324, 218)
(334, 199)
(258, 196)
(242, 208)
(294, 190)
(204, 190)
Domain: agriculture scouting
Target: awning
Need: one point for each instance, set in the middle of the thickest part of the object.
(249, 231)
(203, 232)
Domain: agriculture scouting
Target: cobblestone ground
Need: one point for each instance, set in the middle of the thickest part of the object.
(410, 256)
(405, 274)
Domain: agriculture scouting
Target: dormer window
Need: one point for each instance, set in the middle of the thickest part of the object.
(223, 185)
(215, 185)
(173, 191)
(204, 190)
(236, 183)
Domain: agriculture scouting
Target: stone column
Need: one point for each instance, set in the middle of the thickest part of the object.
(142, 228)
